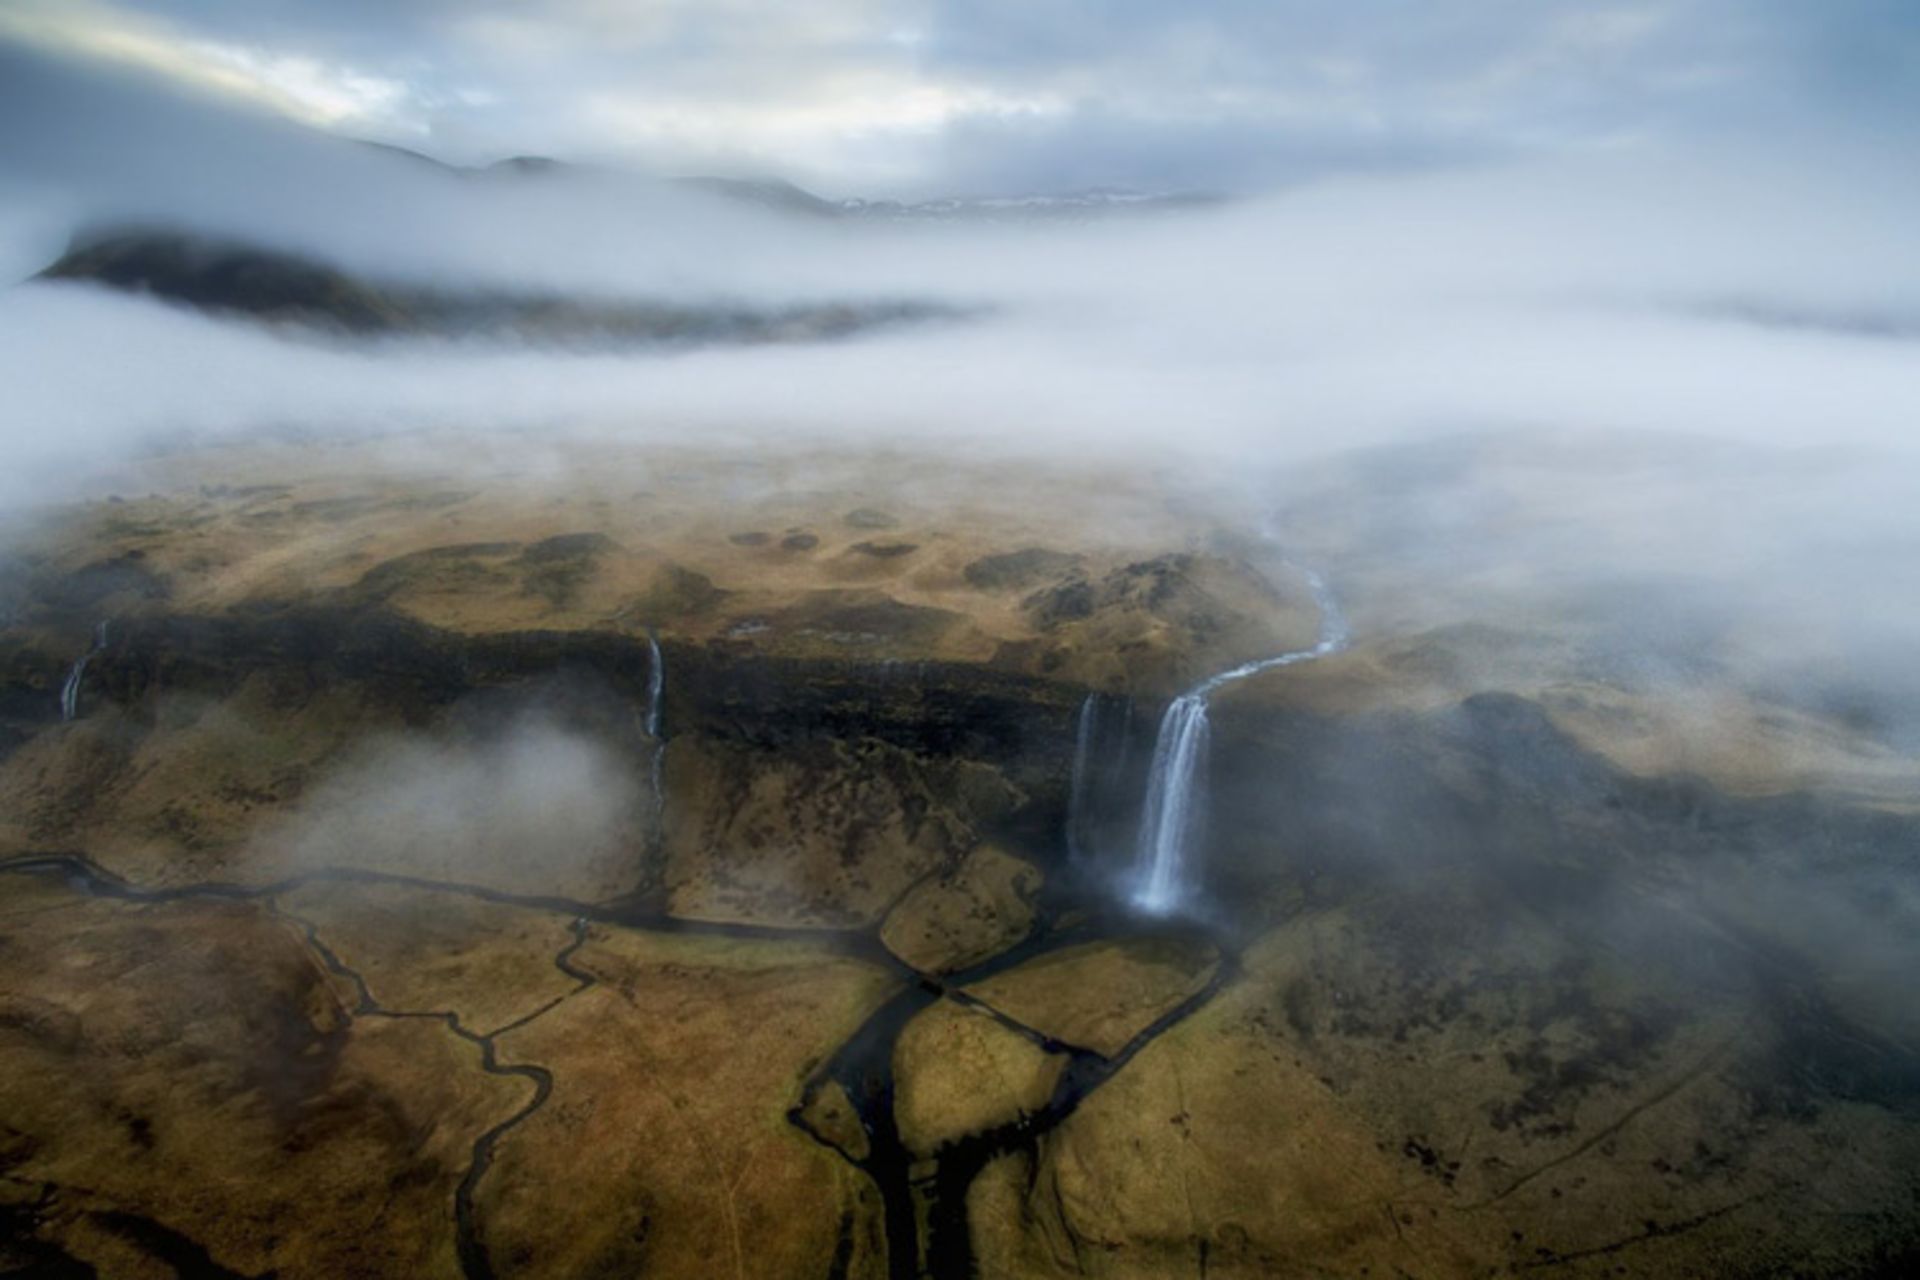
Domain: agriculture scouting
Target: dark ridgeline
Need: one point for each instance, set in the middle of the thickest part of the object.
(284, 288)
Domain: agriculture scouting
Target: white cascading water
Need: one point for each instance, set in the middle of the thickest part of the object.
(70, 691)
(1173, 818)
(656, 685)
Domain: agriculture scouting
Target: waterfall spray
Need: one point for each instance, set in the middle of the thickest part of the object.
(70, 691)
(1173, 818)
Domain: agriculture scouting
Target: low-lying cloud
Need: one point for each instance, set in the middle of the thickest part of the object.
(1639, 289)
(532, 806)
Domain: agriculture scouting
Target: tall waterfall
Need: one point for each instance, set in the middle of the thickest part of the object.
(70, 691)
(1173, 818)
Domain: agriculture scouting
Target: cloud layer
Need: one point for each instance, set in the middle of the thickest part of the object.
(932, 95)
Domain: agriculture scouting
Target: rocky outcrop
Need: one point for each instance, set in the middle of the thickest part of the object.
(828, 831)
(797, 791)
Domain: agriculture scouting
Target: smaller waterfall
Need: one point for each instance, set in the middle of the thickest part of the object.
(70, 691)
(1078, 800)
(1099, 768)
(650, 721)
(656, 685)
(1173, 819)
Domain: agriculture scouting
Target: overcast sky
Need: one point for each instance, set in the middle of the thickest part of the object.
(996, 96)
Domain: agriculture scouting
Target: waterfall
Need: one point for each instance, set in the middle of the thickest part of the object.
(650, 721)
(1175, 810)
(1173, 817)
(1099, 768)
(1078, 801)
(70, 691)
(656, 685)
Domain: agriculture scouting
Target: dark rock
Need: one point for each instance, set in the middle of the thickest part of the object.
(1018, 568)
(555, 567)
(678, 592)
(437, 568)
(566, 546)
(856, 618)
(285, 288)
(1068, 602)
(94, 584)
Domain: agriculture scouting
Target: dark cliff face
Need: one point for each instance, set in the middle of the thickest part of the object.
(1006, 719)
(1490, 780)
(280, 287)
(777, 789)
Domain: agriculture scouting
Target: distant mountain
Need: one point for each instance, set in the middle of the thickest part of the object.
(785, 197)
(276, 286)
(528, 164)
(1095, 202)
(771, 193)
(1856, 322)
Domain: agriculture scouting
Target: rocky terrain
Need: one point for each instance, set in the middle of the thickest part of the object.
(658, 863)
